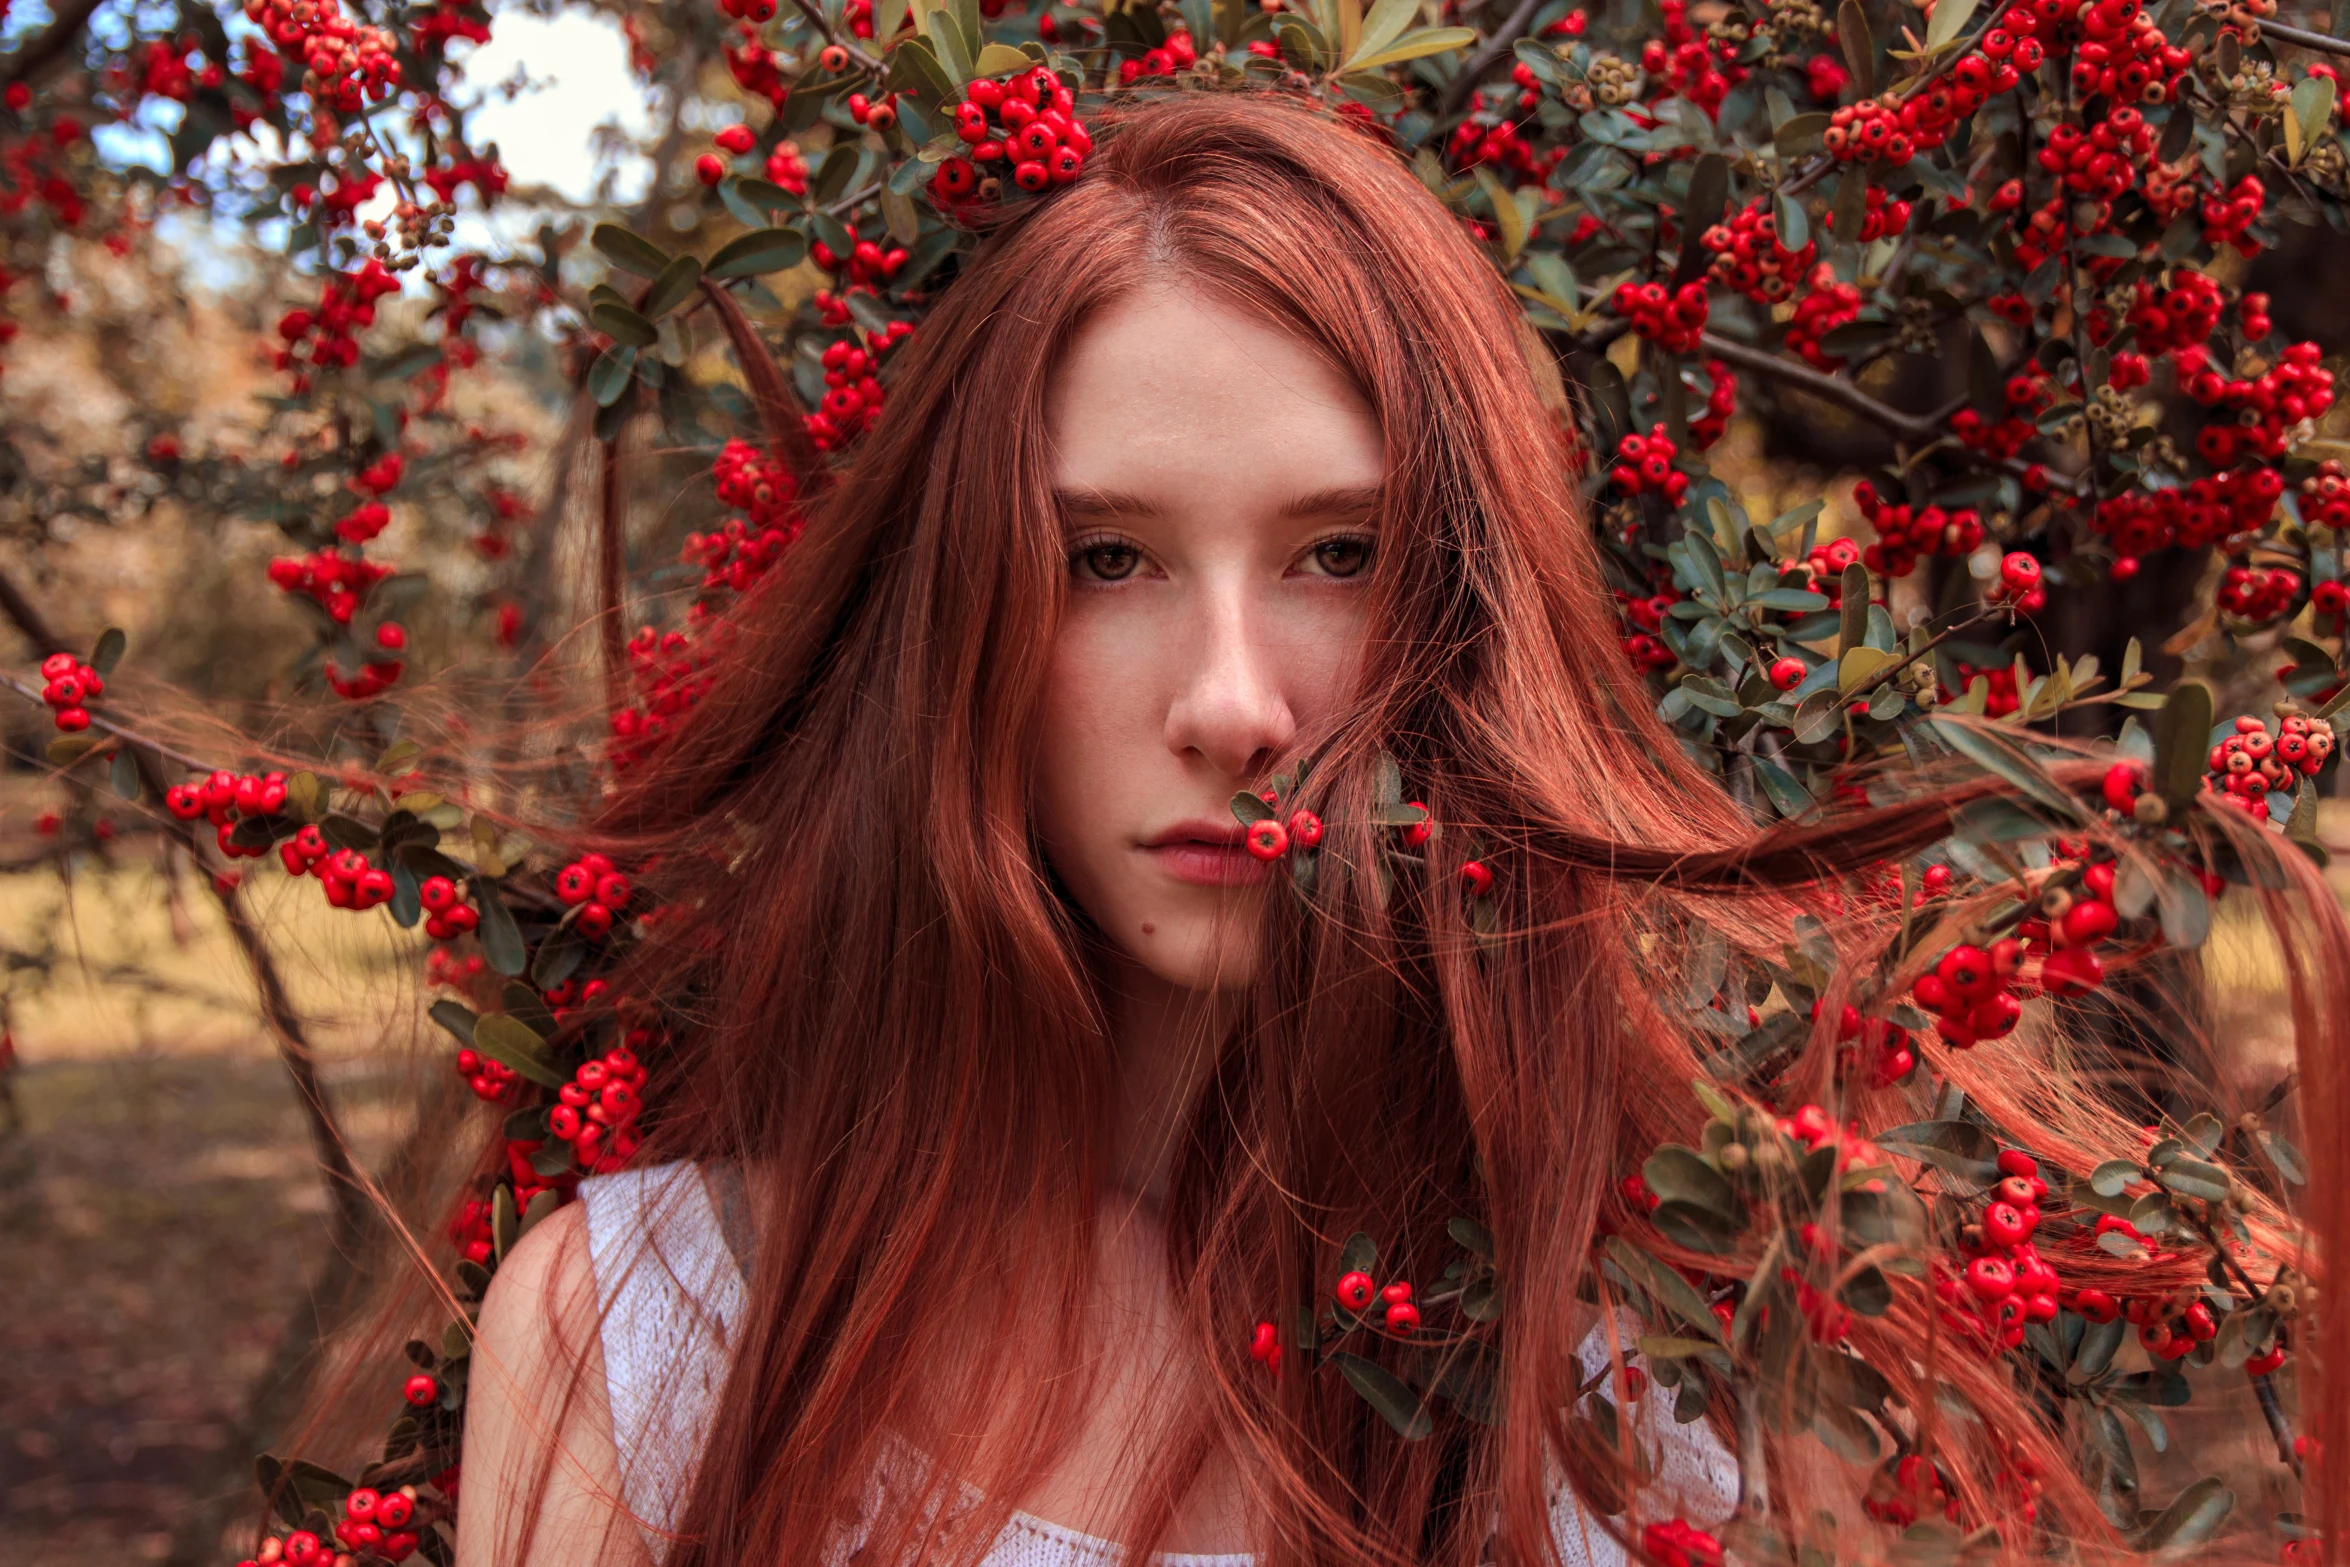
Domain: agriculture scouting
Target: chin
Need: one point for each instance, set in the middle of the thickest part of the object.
(1194, 951)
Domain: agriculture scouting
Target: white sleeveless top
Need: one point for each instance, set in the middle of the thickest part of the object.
(673, 1296)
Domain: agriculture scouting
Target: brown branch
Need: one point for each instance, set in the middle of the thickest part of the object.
(55, 39)
(815, 18)
(2319, 42)
(1503, 41)
(780, 413)
(1828, 388)
(294, 1049)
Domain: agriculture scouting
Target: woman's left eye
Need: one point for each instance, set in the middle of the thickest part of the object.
(1344, 555)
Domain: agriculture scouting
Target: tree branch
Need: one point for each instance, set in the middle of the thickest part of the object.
(277, 1011)
(2319, 42)
(1503, 41)
(1828, 388)
(815, 18)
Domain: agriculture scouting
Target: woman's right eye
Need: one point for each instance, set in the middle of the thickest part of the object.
(1105, 561)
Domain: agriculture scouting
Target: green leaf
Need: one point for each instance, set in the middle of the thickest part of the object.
(1251, 808)
(1949, 19)
(500, 937)
(456, 1017)
(2283, 1155)
(502, 1038)
(112, 643)
(670, 289)
(2009, 765)
(629, 252)
(1507, 215)
(1665, 1286)
(2193, 1516)
(1382, 27)
(123, 774)
(2194, 1178)
(1794, 223)
(1805, 133)
(1360, 1254)
(2313, 108)
(1961, 1147)
(1417, 45)
(609, 376)
(758, 252)
(622, 324)
(1384, 1391)
(1678, 1174)
(1860, 48)
(2113, 1177)
(1000, 60)
(1471, 1236)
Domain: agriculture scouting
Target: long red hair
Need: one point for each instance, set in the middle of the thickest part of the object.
(881, 1005)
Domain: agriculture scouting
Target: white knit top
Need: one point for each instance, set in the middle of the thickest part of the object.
(673, 1296)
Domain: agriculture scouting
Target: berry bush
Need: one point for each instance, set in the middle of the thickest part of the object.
(2009, 245)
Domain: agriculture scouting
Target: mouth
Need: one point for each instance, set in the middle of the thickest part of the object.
(1206, 854)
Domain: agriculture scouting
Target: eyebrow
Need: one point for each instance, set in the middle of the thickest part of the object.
(1338, 500)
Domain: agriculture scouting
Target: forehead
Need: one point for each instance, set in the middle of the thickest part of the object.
(1172, 388)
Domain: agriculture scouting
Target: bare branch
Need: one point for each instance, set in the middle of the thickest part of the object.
(1490, 53)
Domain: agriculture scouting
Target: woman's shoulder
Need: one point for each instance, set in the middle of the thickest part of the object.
(536, 1377)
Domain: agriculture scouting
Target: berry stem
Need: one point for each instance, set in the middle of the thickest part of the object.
(857, 57)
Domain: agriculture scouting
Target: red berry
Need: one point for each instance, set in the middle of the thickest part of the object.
(1403, 1317)
(1268, 840)
(833, 58)
(709, 168)
(1355, 1291)
(1477, 879)
(1788, 673)
(422, 1390)
(1305, 829)
(735, 139)
(391, 636)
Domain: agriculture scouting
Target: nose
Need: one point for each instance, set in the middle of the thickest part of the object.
(1229, 707)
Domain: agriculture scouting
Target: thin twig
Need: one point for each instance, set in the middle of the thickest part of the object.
(1500, 42)
(815, 17)
(2320, 42)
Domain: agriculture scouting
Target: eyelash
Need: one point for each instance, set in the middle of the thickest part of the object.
(1092, 542)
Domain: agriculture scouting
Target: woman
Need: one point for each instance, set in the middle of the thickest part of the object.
(1007, 1091)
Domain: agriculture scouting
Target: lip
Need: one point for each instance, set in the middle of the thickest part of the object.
(1206, 853)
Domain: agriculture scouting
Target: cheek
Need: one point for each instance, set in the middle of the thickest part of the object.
(1093, 744)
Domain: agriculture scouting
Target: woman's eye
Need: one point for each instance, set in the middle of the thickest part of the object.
(1106, 562)
(1343, 556)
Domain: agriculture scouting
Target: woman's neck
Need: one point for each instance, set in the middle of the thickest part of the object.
(1163, 1040)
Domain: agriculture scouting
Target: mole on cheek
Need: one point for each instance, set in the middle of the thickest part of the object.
(1149, 929)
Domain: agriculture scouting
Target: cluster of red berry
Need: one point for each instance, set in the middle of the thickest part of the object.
(491, 1080)
(853, 391)
(1645, 615)
(1721, 401)
(327, 338)
(70, 687)
(596, 1112)
(2256, 593)
(2228, 219)
(1908, 1488)
(2214, 509)
(337, 582)
(1749, 259)
(224, 798)
(346, 65)
(670, 674)
(1892, 1057)
(2102, 162)
(1904, 532)
(376, 1523)
(2325, 497)
(2005, 1282)
(1644, 465)
(1392, 1305)
(1178, 53)
(1826, 304)
(1672, 318)
(2252, 763)
(2000, 696)
(446, 913)
(2263, 410)
(377, 674)
(590, 885)
(1027, 120)
(1688, 64)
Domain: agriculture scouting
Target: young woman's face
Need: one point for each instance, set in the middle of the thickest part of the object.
(1217, 482)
